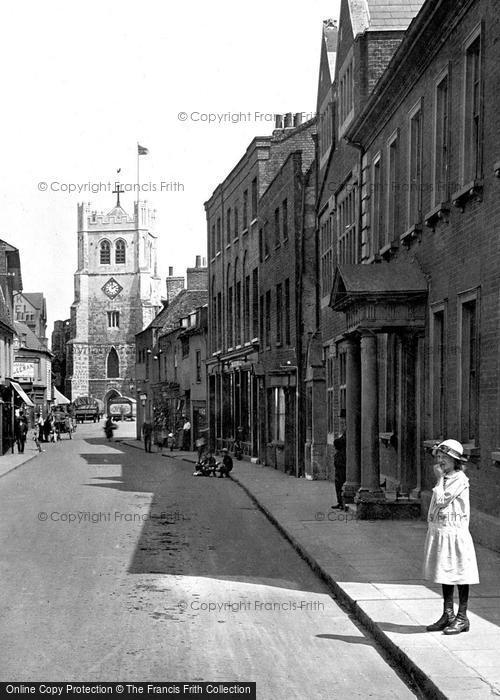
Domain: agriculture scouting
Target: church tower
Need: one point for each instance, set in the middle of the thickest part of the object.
(117, 294)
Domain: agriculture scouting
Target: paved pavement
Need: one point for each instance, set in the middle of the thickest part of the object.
(375, 569)
(120, 566)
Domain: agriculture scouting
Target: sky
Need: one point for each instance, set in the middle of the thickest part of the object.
(84, 82)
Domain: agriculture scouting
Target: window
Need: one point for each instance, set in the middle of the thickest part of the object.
(212, 242)
(285, 219)
(236, 223)
(113, 364)
(438, 371)
(278, 414)
(287, 311)
(219, 233)
(198, 366)
(219, 320)
(246, 310)
(279, 313)
(228, 226)
(113, 319)
(326, 129)
(105, 253)
(442, 139)
(392, 188)
(342, 381)
(255, 303)
(326, 246)
(120, 256)
(329, 391)
(378, 234)
(415, 168)
(348, 244)
(237, 313)
(254, 198)
(346, 92)
(266, 240)
(185, 347)
(473, 112)
(268, 319)
(245, 210)
(276, 227)
(469, 366)
(261, 245)
(261, 319)
(230, 317)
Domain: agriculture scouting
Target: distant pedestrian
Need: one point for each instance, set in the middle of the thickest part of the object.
(20, 432)
(171, 441)
(40, 424)
(226, 465)
(47, 427)
(450, 558)
(201, 445)
(339, 462)
(147, 432)
(186, 435)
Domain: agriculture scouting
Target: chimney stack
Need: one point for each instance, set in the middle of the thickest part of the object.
(297, 119)
(197, 277)
(288, 120)
(174, 285)
(278, 121)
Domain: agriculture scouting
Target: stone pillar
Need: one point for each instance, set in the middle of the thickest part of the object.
(353, 421)
(370, 465)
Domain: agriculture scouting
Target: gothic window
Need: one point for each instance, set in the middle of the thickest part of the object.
(113, 365)
(120, 252)
(105, 253)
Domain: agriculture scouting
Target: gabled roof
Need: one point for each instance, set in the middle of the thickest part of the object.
(181, 305)
(382, 15)
(31, 341)
(117, 211)
(353, 282)
(36, 299)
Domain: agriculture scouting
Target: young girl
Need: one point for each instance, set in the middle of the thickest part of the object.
(450, 558)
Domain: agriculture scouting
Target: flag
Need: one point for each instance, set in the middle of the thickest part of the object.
(142, 151)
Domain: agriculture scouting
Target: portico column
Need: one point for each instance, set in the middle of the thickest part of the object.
(353, 420)
(370, 465)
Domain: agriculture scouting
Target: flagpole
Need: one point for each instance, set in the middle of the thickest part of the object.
(138, 184)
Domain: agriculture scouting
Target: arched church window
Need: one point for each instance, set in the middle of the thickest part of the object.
(105, 253)
(113, 365)
(120, 252)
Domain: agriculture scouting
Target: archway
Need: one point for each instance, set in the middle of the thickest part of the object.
(110, 394)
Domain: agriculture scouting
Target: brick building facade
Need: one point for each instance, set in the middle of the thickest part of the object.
(410, 316)
(238, 310)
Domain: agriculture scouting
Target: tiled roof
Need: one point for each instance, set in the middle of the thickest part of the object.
(31, 341)
(186, 301)
(34, 298)
(384, 277)
(382, 15)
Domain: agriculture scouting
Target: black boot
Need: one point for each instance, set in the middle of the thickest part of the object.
(460, 624)
(448, 616)
(446, 619)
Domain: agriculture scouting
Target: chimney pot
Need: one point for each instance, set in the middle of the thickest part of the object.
(170, 271)
(278, 121)
(297, 118)
(288, 120)
(198, 261)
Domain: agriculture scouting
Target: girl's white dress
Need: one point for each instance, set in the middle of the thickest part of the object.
(449, 551)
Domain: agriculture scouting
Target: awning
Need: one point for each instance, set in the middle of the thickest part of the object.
(59, 399)
(20, 392)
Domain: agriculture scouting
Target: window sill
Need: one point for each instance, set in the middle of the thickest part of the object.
(245, 231)
(266, 257)
(228, 245)
(388, 439)
(285, 239)
(253, 221)
(441, 212)
(496, 169)
(277, 245)
(495, 458)
(235, 240)
(279, 344)
(411, 234)
(373, 259)
(389, 250)
(217, 254)
(471, 191)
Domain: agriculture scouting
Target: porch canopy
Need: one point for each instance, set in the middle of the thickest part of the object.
(21, 393)
(380, 297)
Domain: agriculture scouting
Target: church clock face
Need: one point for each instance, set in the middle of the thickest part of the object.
(112, 288)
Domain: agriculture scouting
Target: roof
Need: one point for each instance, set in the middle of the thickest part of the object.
(330, 36)
(382, 279)
(36, 299)
(181, 305)
(32, 342)
(382, 15)
(5, 317)
(117, 211)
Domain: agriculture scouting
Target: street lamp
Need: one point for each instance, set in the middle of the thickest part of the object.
(289, 365)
